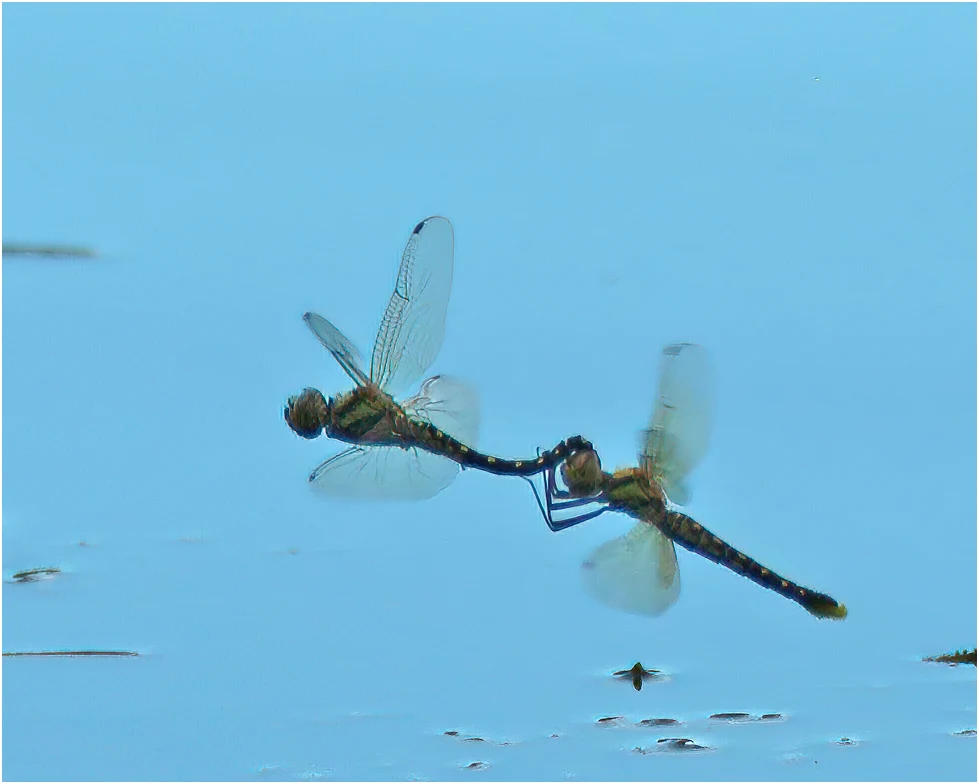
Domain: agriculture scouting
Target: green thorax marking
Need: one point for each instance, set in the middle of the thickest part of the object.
(636, 497)
(357, 414)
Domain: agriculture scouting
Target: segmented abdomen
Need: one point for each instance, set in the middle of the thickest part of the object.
(430, 438)
(690, 534)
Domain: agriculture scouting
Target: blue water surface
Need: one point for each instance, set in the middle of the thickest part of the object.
(792, 186)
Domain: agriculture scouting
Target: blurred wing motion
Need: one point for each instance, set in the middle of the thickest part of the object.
(395, 473)
(339, 346)
(413, 326)
(680, 426)
(636, 572)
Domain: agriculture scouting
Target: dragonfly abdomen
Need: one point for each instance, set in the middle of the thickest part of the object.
(438, 442)
(690, 534)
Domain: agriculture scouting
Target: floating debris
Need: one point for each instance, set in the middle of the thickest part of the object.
(71, 653)
(49, 251)
(958, 657)
(733, 717)
(33, 575)
(845, 741)
(682, 744)
(476, 766)
(658, 723)
(476, 739)
(637, 674)
(966, 733)
(610, 721)
(770, 717)
(671, 744)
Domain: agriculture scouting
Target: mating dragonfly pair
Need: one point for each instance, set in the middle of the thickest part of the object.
(405, 450)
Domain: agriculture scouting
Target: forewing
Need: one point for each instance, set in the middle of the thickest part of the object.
(636, 572)
(449, 404)
(680, 426)
(383, 473)
(413, 326)
(339, 346)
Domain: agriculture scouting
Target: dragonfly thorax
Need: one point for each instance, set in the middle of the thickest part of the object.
(634, 491)
(307, 413)
(365, 415)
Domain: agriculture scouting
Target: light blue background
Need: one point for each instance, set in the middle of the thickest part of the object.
(792, 186)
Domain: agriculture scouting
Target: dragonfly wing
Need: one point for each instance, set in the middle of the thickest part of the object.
(383, 472)
(413, 326)
(636, 572)
(339, 346)
(449, 404)
(680, 426)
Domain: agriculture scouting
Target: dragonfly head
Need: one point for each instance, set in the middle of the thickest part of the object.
(307, 413)
(582, 472)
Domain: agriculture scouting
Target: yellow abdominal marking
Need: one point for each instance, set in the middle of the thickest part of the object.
(518, 463)
(490, 459)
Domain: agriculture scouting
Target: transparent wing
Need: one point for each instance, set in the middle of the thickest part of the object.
(449, 404)
(383, 472)
(339, 346)
(680, 426)
(636, 572)
(413, 326)
(396, 473)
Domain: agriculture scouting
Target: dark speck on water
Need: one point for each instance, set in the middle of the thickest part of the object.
(476, 766)
(770, 716)
(451, 732)
(966, 733)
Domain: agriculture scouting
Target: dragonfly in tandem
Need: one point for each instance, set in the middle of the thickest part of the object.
(638, 572)
(403, 449)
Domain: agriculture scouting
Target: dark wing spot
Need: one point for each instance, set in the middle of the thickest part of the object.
(418, 228)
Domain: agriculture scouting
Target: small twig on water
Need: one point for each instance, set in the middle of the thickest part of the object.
(49, 251)
(71, 653)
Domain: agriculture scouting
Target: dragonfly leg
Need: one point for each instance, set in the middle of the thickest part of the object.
(549, 506)
(553, 491)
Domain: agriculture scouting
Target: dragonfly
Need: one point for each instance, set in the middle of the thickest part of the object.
(638, 572)
(403, 449)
